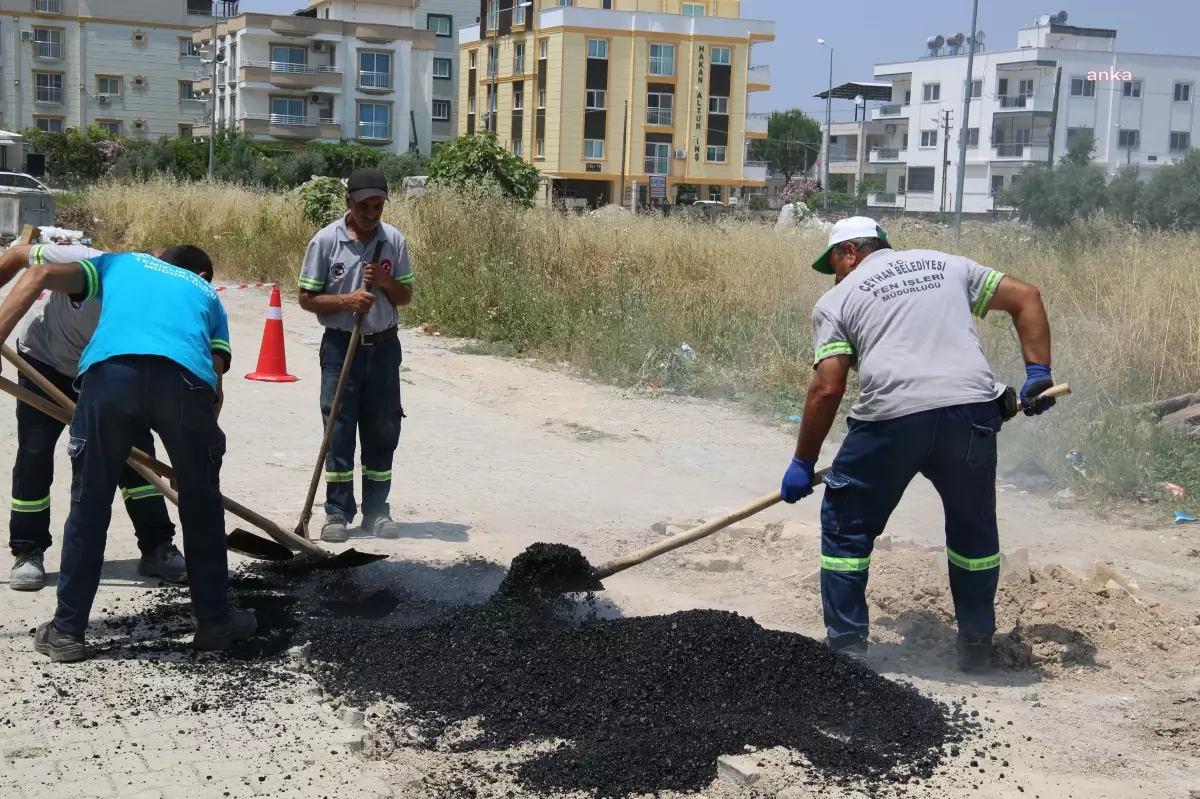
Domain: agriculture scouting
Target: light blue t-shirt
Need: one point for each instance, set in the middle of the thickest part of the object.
(149, 307)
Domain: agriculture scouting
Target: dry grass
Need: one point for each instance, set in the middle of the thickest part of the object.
(618, 296)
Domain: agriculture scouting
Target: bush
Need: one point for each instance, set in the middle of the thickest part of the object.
(75, 154)
(471, 161)
(1052, 198)
(398, 167)
(324, 200)
(300, 166)
(1171, 200)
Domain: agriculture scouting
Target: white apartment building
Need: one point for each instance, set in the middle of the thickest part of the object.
(444, 18)
(127, 65)
(1027, 104)
(353, 70)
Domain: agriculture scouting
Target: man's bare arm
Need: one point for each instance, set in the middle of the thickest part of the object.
(820, 409)
(220, 364)
(64, 278)
(1023, 302)
(14, 259)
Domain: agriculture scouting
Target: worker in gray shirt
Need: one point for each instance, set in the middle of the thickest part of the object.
(337, 283)
(52, 344)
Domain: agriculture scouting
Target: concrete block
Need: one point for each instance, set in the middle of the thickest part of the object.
(1015, 564)
(681, 522)
(713, 563)
(741, 770)
(1102, 574)
(883, 543)
(745, 530)
(939, 563)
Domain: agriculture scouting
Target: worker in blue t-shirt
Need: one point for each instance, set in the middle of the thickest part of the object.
(155, 360)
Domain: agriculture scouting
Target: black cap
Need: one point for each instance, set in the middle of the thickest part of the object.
(365, 183)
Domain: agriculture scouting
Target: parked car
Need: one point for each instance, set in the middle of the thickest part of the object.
(24, 200)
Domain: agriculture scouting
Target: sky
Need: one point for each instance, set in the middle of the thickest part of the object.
(865, 32)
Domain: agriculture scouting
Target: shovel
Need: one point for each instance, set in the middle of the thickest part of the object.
(153, 471)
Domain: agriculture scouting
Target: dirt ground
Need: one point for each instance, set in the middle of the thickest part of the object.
(1102, 699)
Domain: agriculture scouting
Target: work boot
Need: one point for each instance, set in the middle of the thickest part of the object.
(166, 562)
(28, 572)
(238, 625)
(57, 645)
(384, 527)
(974, 653)
(852, 647)
(334, 529)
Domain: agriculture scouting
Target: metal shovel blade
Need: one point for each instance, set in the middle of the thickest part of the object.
(349, 559)
(254, 546)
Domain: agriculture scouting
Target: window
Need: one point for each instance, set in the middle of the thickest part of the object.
(47, 6)
(1131, 88)
(1128, 138)
(715, 193)
(470, 105)
(929, 138)
(139, 126)
(287, 110)
(440, 24)
(493, 62)
(607, 5)
(188, 48)
(442, 67)
(1183, 92)
(541, 148)
(693, 9)
(658, 158)
(1081, 87)
(1025, 88)
(900, 184)
(662, 59)
(1181, 141)
(374, 70)
(49, 124)
(288, 59)
(518, 14)
(518, 148)
(721, 55)
(596, 99)
(48, 43)
(593, 149)
(716, 154)
(931, 92)
(518, 98)
(47, 87)
(186, 90)
(544, 48)
(972, 137)
(108, 84)
(185, 132)
(597, 48)
(997, 184)
(920, 178)
(374, 121)
(718, 105)
(976, 89)
(541, 98)
(519, 58)
(659, 108)
(473, 59)
(1073, 132)
(493, 19)
(441, 110)
(112, 127)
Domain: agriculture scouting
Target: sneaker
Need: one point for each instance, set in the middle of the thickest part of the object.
(853, 648)
(58, 646)
(166, 563)
(334, 529)
(28, 572)
(238, 625)
(384, 527)
(974, 653)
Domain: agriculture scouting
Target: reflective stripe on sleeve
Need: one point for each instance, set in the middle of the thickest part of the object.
(92, 279)
(834, 348)
(993, 279)
(309, 284)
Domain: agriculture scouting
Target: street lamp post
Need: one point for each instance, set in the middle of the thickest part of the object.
(828, 122)
(964, 129)
(212, 94)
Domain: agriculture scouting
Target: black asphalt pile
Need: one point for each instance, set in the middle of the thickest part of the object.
(546, 571)
(644, 704)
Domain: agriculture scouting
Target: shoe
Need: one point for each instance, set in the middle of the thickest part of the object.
(384, 527)
(238, 625)
(58, 646)
(974, 653)
(28, 572)
(852, 647)
(166, 563)
(334, 529)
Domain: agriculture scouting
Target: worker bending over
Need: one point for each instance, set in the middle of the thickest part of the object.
(155, 361)
(927, 405)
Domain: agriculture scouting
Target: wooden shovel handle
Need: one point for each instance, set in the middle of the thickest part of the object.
(1054, 392)
(695, 534)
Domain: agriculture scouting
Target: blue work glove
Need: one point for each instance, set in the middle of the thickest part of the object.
(797, 481)
(1037, 380)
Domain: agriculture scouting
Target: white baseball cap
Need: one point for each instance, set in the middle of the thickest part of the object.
(853, 227)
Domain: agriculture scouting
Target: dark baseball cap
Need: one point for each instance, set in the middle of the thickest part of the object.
(366, 183)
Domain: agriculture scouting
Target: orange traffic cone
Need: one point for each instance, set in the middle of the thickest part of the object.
(272, 362)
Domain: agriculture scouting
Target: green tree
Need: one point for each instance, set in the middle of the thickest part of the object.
(398, 166)
(1172, 198)
(72, 154)
(793, 143)
(1125, 194)
(471, 160)
(1051, 198)
(1080, 148)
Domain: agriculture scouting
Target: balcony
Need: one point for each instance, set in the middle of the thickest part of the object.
(755, 171)
(759, 78)
(282, 73)
(284, 126)
(843, 158)
(1014, 103)
(885, 199)
(886, 155)
(892, 111)
(658, 166)
(756, 125)
(1021, 152)
(661, 117)
(375, 81)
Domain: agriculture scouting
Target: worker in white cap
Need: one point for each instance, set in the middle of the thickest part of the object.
(927, 405)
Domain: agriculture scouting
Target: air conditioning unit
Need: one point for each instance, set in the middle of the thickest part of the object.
(27, 36)
(314, 98)
(889, 129)
(320, 47)
(103, 99)
(681, 154)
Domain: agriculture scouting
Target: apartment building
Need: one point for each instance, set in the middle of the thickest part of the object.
(444, 18)
(126, 65)
(1027, 104)
(652, 94)
(354, 70)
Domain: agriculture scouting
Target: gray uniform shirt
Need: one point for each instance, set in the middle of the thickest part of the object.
(906, 319)
(60, 331)
(333, 264)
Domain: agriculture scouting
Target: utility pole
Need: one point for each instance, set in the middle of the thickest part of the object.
(828, 122)
(212, 93)
(964, 129)
(624, 151)
(945, 157)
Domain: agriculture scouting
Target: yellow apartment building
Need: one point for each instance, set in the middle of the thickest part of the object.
(652, 94)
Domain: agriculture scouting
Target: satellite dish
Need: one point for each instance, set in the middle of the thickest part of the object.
(1060, 17)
